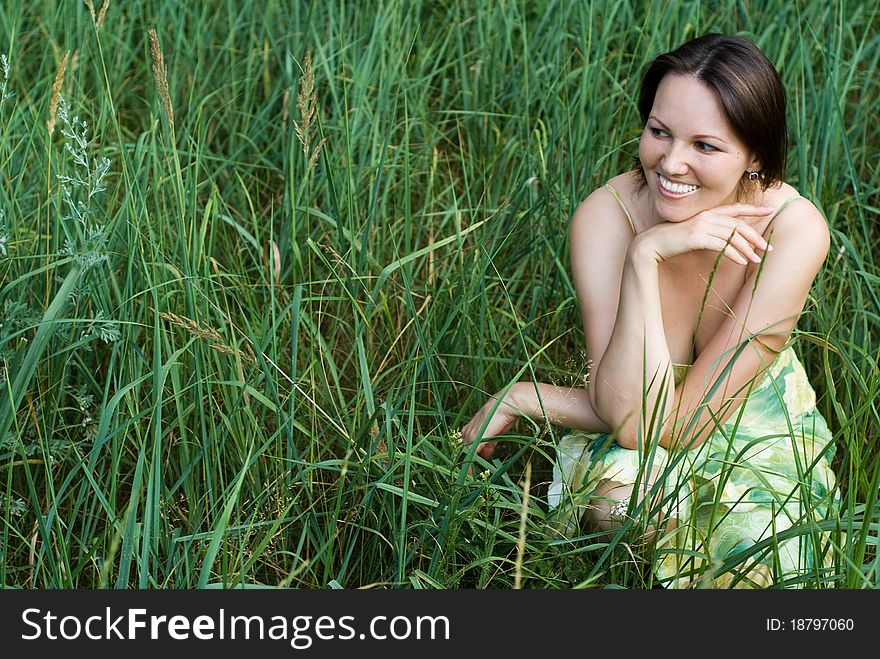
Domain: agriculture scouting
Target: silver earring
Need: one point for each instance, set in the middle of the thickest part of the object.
(753, 175)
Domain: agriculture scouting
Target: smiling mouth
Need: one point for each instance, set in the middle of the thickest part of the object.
(675, 190)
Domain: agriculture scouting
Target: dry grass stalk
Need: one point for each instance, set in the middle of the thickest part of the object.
(523, 517)
(276, 262)
(307, 103)
(102, 14)
(32, 552)
(160, 75)
(99, 19)
(56, 93)
(191, 326)
(211, 335)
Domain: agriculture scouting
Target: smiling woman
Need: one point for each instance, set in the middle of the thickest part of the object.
(727, 88)
(700, 426)
(687, 171)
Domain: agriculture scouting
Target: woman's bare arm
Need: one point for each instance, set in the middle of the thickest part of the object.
(599, 237)
(634, 388)
(563, 406)
(768, 307)
(634, 376)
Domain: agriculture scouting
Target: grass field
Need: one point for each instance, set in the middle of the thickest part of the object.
(264, 264)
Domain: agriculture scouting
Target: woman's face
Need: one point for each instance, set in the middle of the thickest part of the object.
(692, 159)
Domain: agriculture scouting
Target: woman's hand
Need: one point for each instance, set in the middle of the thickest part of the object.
(506, 412)
(727, 229)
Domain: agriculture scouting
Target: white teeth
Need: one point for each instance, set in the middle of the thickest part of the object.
(677, 188)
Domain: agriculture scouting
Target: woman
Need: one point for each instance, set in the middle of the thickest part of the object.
(691, 272)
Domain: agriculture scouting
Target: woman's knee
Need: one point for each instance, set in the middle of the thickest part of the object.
(611, 506)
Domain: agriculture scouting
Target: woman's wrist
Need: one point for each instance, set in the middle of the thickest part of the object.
(518, 397)
(641, 254)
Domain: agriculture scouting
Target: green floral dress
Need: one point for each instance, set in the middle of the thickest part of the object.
(765, 471)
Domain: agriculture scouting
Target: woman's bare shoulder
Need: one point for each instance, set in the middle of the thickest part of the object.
(785, 194)
(626, 182)
(799, 226)
(795, 208)
(602, 208)
(599, 236)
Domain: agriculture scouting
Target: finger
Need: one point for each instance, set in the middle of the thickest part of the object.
(742, 245)
(750, 234)
(485, 449)
(737, 230)
(728, 248)
(734, 255)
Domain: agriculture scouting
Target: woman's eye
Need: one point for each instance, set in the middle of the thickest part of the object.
(657, 132)
(702, 146)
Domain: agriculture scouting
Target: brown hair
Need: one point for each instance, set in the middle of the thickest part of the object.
(747, 85)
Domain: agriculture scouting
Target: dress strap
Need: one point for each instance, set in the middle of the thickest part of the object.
(625, 211)
(785, 203)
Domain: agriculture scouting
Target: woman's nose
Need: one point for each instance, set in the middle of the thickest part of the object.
(675, 161)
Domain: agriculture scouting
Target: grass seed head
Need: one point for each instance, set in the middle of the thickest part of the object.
(160, 75)
(56, 93)
(99, 19)
(307, 103)
(102, 14)
(205, 333)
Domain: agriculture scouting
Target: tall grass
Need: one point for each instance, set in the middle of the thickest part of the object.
(257, 378)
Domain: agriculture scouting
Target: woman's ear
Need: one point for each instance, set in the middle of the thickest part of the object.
(756, 165)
